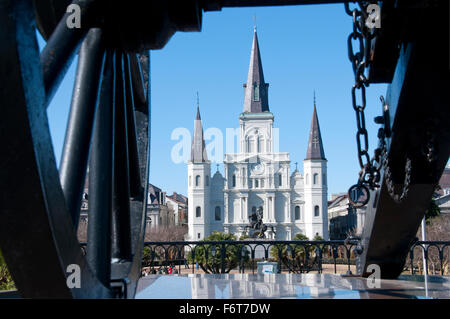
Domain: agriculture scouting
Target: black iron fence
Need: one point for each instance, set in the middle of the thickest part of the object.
(435, 253)
(242, 256)
(290, 256)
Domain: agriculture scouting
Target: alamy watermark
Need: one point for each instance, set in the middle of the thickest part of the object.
(374, 19)
(73, 20)
(218, 144)
(373, 280)
(74, 278)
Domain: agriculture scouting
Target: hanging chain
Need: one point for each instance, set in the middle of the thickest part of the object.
(361, 60)
(390, 184)
(369, 176)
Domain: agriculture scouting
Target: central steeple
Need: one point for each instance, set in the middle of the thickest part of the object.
(198, 149)
(256, 90)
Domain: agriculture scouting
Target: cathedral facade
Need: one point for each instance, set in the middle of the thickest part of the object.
(258, 180)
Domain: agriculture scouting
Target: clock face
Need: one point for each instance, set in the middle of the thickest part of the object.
(258, 169)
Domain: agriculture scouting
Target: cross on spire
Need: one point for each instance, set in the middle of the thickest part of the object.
(198, 100)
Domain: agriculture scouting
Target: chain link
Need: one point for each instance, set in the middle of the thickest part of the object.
(369, 175)
(390, 184)
(361, 60)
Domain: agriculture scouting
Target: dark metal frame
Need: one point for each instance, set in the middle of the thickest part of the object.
(109, 128)
(108, 124)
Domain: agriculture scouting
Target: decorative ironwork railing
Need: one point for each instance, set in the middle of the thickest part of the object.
(436, 253)
(290, 256)
(232, 256)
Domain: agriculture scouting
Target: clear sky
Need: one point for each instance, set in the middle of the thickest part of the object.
(303, 48)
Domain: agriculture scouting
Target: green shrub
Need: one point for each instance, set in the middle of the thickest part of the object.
(6, 282)
(213, 264)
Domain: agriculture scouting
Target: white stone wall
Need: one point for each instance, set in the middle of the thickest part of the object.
(199, 196)
(315, 191)
(237, 195)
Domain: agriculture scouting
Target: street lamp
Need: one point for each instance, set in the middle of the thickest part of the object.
(213, 254)
(289, 253)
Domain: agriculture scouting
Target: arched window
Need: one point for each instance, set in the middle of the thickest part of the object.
(234, 180)
(316, 211)
(198, 212)
(258, 144)
(197, 180)
(315, 178)
(297, 212)
(207, 180)
(280, 179)
(250, 145)
(256, 183)
(217, 213)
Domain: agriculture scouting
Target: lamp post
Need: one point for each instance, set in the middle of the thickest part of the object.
(289, 255)
(213, 254)
(243, 253)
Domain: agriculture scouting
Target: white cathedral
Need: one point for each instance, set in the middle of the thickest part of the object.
(257, 178)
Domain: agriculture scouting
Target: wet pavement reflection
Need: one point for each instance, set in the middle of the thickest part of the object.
(296, 286)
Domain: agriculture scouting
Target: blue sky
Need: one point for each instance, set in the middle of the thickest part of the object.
(303, 48)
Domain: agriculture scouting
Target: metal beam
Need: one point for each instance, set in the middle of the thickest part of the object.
(75, 154)
(36, 236)
(100, 178)
(419, 106)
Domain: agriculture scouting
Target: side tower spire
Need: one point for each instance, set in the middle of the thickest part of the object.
(315, 145)
(256, 90)
(315, 187)
(198, 149)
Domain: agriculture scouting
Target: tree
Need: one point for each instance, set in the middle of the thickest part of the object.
(432, 211)
(6, 282)
(438, 229)
(299, 258)
(165, 233)
(212, 264)
(146, 256)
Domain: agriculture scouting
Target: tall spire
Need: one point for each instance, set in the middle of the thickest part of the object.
(256, 90)
(315, 145)
(198, 149)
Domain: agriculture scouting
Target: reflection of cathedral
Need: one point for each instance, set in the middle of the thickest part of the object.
(258, 178)
(267, 286)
